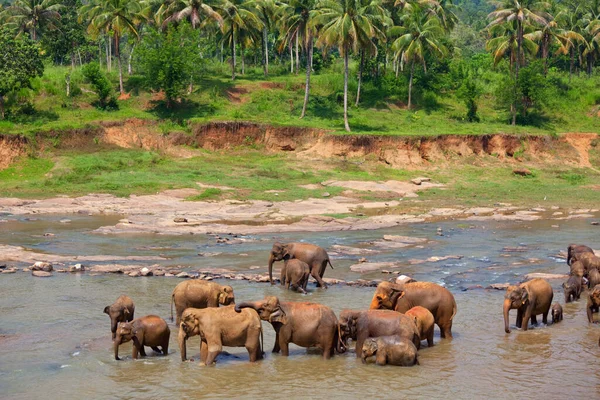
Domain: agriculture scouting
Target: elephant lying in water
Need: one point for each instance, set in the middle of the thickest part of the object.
(392, 350)
(220, 327)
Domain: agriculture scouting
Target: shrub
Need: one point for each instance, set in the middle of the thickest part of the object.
(102, 86)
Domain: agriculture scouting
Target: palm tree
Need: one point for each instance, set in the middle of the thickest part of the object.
(266, 10)
(524, 12)
(419, 35)
(573, 20)
(592, 32)
(31, 15)
(240, 18)
(349, 25)
(193, 10)
(117, 16)
(297, 20)
(444, 10)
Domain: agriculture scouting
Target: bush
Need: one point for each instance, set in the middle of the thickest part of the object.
(102, 86)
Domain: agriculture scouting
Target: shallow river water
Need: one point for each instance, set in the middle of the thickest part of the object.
(55, 340)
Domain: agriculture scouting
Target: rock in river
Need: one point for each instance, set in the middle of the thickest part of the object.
(41, 274)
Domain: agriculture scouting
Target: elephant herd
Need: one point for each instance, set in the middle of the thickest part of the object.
(534, 297)
(400, 316)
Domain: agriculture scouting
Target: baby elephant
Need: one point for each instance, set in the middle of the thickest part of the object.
(557, 313)
(593, 304)
(150, 330)
(594, 277)
(425, 321)
(572, 288)
(295, 273)
(120, 311)
(392, 350)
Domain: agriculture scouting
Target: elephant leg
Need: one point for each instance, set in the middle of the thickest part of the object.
(134, 352)
(315, 274)
(276, 347)
(380, 358)
(526, 318)
(430, 337)
(328, 346)
(519, 318)
(203, 352)
(142, 351)
(253, 345)
(165, 347)
(545, 317)
(156, 349)
(300, 289)
(213, 351)
(534, 320)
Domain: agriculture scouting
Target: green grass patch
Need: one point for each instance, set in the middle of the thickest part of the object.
(208, 194)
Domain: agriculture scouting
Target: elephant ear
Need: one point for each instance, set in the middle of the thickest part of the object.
(397, 294)
(278, 316)
(106, 309)
(285, 252)
(126, 311)
(525, 295)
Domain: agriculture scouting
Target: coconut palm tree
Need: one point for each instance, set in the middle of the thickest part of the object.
(297, 21)
(240, 19)
(31, 15)
(119, 17)
(267, 11)
(196, 11)
(349, 25)
(592, 50)
(420, 34)
(523, 12)
(444, 10)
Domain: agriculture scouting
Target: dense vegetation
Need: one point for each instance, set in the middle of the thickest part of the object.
(409, 66)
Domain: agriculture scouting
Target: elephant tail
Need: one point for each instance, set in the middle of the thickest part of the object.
(172, 300)
(330, 264)
(454, 310)
(262, 343)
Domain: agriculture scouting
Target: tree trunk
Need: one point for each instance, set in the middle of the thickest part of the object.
(79, 55)
(109, 55)
(517, 65)
(1, 106)
(360, 72)
(243, 63)
(291, 57)
(266, 52)
(129, 61)
(346, 125)
(590, 64)
(221, 52)
(72, 60)
(68, 83)
(410, 84)
(297, 55)
(545, 44)
(118, 54)
(99, 53)
(572, 53)
(309, 56)
(232, 54)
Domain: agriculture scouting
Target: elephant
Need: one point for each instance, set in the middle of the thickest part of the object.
(393, 350)
(424, 321)
(593, 304)
(577, 269)
(593, 277)
(574, 251)
(589, 261)
(121, 310)
(402, 297)
(218, 327)
(572, 288)
(530, 299)
(316, 257)
(557, 313)
(359, 325)
(199, 293)
(302, 323)
(295, 273)
(150, 330)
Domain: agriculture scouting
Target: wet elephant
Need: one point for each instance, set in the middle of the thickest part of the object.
(151, 331)
(572, 288)
(316, 257)
(198, 293)
(359, 325)
(295, 273)
(121, 310)
(392, 350)
(218, 327)
(593, 304)
(531, 298)
(574, 251)
(302, 323)
(424, 321)
(402, 297)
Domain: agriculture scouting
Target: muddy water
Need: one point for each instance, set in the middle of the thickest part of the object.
(55, 340)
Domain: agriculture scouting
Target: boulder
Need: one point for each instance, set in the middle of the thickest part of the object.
(546, 276)
(498, 286)
(135, 274)
(180, 220)
(76, 268)
(42, 266)
(168, 274)
(373, 266)
(183, 275)
(145, 272)
(41, 274)
(9, 271)
(522, 172)
(159, 272)
(404, 279)
(419, 180)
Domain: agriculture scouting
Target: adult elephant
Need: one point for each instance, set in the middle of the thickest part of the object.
(360, 325)
(530, 299)
(304, 324)
(198, 293)
(316, 257)
(220, 327)
(574, 251)
(402, 297)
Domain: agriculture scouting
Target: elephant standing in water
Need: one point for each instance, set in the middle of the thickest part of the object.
(575, 251)
(530, 299)
(316, 257)
(121, 310)
(150, 330)
(199, 293)
(402, 297)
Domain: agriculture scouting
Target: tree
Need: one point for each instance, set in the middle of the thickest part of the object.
(31, 15)
(118, 17)
(240, 19)
(168, 60)
(349, 25)
(419, 35)
(196, 11)
(524, 12)
(20, 61)
(266, 10)
(101, 85)
(67, 36)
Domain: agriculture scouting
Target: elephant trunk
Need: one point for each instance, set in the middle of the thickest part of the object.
(113, 327)
(271, 261)
(181, 338)
(116, 343)
(340, 346)
(245, 304)
(374, 303)
(507, 304)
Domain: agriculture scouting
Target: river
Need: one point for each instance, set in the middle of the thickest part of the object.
(55, 341)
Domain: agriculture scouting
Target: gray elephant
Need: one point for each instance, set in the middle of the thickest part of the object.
(199, 293)
(557, 313)
(392, 350)
(150, 330)
(121, 310)
(531, 298)
(572, 288)
(295, 273)
(316, 257)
